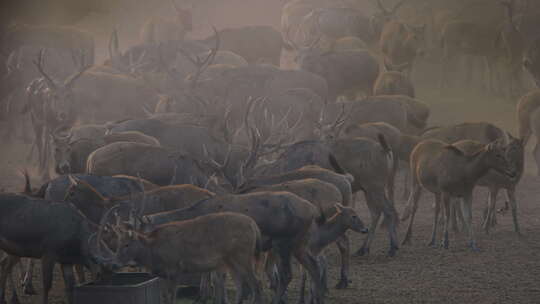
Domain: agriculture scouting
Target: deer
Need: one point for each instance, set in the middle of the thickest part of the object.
(273, 212)
(528, 121)
(486, 41)
(494, 181)
(400, 43)
(156, 30)
(391, 135)
(324, 196)
(447, 171)
(337, 68)
(157, 164)
(392, 82)
(212, 242)
(66, 240)
(512, 42)
(50, 106)
(345, 218)
(379, 19)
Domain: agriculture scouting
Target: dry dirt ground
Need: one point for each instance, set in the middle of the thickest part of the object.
(506, 270)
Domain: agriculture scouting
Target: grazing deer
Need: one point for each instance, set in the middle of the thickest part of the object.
(333, 229)
(214, 242)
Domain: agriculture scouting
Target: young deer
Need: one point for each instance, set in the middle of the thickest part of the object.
(447, 171)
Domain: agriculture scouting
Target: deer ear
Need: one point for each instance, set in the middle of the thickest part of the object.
(454, 149)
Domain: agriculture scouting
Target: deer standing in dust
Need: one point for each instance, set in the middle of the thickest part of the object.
(448, 171)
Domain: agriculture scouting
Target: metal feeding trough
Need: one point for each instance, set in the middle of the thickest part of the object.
(132, 288)
(126, 287)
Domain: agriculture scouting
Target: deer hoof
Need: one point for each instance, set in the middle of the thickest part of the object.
(445, 244)
(14, 300)
(362, 252)
(342, 284)
(28, 289)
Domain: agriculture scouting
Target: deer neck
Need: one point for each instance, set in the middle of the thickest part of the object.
(328, 233)
(477, 167)
(146, 255)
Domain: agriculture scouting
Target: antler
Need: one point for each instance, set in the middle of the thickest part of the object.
(113, 45)
(382, 8)
(288, 41)
(397, 6)
(101, 228)
(83, 67)
(39, 66)
(202, 64)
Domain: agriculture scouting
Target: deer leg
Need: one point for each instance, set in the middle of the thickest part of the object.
(436, 213)
(343, 245)
(323, 266)
(246, 275)
(536, 154)
(14, 297)
(410, 211)
(217, 279)
(236, 276)
(375, 216)
(27, 283)
(69, 281)
(453, 218)
(511, 192)
(302, 298)
(467, 216)
(270, 269)
(406, 184)
(310, 264)
(492, 201)
(6, 267)
(205, 288)
(284, 250)
(391, 179)
(446, 204)
(79, 270)
(47, 268)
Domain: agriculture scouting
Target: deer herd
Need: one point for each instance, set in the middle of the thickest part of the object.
(183, 155)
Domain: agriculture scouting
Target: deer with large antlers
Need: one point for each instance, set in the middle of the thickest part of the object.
(51, 105)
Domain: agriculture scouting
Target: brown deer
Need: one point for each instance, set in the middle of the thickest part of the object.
(213, 242)
(159, 29)
(448, 171)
